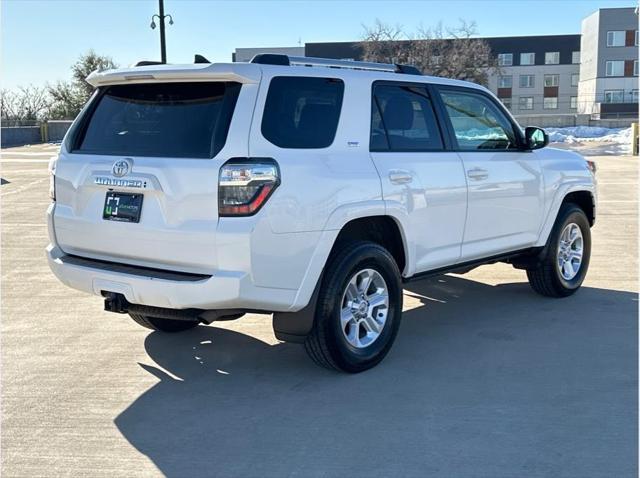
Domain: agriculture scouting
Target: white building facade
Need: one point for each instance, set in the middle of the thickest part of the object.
(608, 85)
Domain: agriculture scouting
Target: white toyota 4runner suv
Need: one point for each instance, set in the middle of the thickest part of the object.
(307, 188)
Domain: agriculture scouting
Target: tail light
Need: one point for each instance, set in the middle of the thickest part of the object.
(52, 177)
(592, 166)
(245, 185)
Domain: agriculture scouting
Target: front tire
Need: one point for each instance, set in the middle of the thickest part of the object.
(163, 325)
(562, 270)
(359, 309)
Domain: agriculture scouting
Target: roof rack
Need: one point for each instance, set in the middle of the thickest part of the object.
(147, 63)
(285, 60)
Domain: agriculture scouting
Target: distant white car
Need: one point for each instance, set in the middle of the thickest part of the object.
(307, 188)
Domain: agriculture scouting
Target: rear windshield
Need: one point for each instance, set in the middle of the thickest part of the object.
(181, 120)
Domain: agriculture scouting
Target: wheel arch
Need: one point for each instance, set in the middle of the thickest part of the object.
(382, 229)
(585, 200)
(583, 195)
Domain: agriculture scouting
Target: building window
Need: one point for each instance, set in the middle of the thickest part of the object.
(575, 77)
(636, 42)
(614, 96)
(505, 81)
(550, 103)
(635, 67)
(551, 80)
(634, 96)
(506, 102)
(614, 68)
(615, 38)
(505, 59)
(526, 103)
(436, 60)
(527, 58)
(575, 57)
(527, 81)
(573, 102)
(552, 58)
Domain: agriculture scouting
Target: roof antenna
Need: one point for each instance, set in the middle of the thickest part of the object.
(200, 59)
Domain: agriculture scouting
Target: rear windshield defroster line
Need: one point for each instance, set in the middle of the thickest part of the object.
(179, 120)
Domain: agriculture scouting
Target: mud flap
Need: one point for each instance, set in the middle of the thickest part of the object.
(295, 326)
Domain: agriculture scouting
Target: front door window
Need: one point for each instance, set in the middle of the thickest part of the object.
(477, 121)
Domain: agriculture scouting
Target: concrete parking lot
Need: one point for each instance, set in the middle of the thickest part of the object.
(486, 378)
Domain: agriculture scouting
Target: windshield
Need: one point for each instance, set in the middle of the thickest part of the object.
(181, 120)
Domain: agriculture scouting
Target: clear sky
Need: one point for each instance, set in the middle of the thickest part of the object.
(42, 38)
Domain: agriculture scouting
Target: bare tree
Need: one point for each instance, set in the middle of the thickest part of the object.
(451, 52)
(8, 105)
(386, 44)
(25, 103)
(64, 100)
(68, 97)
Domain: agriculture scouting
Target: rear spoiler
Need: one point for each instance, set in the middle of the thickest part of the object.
(239, 72)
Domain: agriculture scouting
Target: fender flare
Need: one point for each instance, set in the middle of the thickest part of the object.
(336, 221)
(294, 325)
(556, 203)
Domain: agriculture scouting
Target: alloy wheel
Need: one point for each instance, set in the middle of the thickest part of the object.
(364, 308)
(570, 250)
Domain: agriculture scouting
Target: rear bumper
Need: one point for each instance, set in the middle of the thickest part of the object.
(223, 290)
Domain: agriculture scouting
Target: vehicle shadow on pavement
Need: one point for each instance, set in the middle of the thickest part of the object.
(482, 381)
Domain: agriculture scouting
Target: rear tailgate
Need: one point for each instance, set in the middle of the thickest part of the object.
(166, 142)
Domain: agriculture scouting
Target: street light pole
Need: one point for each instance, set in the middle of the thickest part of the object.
(161, 16)
(163, 43)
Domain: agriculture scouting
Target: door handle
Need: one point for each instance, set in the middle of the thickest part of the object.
(477, 174)
(400, 176)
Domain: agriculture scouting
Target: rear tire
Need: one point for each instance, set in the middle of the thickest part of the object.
(358, 310)
(163, 325)
(560, 272)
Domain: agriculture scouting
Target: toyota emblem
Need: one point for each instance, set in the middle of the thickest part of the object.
(121, 168)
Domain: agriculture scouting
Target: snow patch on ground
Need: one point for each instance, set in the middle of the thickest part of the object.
(608, 141)
(580, 134)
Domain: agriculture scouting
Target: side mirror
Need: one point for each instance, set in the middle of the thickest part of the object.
(535, 138)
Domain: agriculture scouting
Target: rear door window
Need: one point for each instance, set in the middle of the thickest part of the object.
(402, 119)
(302, 112)
(181, 120)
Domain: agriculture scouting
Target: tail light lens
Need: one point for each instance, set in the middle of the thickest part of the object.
(245, 185)
(592, 166)
(52, 178)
